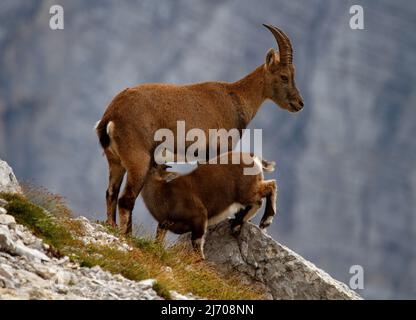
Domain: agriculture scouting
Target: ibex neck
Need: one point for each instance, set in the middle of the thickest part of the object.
(250, 90)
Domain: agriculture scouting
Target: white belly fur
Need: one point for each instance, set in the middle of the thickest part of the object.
(232, 209)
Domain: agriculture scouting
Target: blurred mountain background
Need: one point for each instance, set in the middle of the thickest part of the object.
(345, 164)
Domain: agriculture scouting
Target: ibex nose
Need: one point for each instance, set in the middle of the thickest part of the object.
(301, 103)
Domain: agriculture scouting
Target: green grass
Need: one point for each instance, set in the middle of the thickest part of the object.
(49, 218)
(162, 290)
(38, 221)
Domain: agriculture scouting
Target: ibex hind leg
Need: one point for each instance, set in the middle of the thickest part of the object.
(116, 174)
(270, 192)
(137, 166)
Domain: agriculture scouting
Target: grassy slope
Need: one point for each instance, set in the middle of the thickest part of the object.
(146, 260)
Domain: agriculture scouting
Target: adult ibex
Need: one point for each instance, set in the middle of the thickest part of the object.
(126, 130)
(208, 195)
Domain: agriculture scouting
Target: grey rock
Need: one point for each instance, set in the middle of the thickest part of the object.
(46, 272)
(64, 278)
(263, 262)
(7, 219)
(6, 271)
(6, 283)
(30, 253)
(8, 181)
(3, 203)
(7, 244)
(95, 233)
(6, 241)
(147, 284)
(177, 296)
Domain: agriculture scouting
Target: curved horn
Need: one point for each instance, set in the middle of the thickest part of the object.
(285, 46)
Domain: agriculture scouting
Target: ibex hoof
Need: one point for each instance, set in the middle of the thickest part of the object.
(111, 223)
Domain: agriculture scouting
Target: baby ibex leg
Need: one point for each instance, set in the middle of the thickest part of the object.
(237, 222)
(270, 192)
(244, 215)
(198, 237)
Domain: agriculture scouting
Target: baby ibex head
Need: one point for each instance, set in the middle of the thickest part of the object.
(280, 84)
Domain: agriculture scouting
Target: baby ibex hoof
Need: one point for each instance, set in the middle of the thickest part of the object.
(264, 224)
(201, 255)
(235, 229)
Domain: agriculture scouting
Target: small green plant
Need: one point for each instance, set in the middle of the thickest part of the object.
(162, 290)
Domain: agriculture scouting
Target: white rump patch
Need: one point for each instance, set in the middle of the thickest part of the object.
(110, 131)
(232, 209)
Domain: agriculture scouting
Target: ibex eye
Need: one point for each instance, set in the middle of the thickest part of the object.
(284, 78)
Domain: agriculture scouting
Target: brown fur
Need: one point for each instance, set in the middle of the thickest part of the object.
(135, 114)
(188, 202)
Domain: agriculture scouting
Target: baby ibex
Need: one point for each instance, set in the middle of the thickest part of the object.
(209, 194)
(127, 128)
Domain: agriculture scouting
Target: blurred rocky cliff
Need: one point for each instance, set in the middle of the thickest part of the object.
(345, 164)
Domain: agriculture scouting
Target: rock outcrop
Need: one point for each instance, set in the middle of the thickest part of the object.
(8, 181)
(260, 260)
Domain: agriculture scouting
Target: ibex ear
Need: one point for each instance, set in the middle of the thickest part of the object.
(272, 60)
